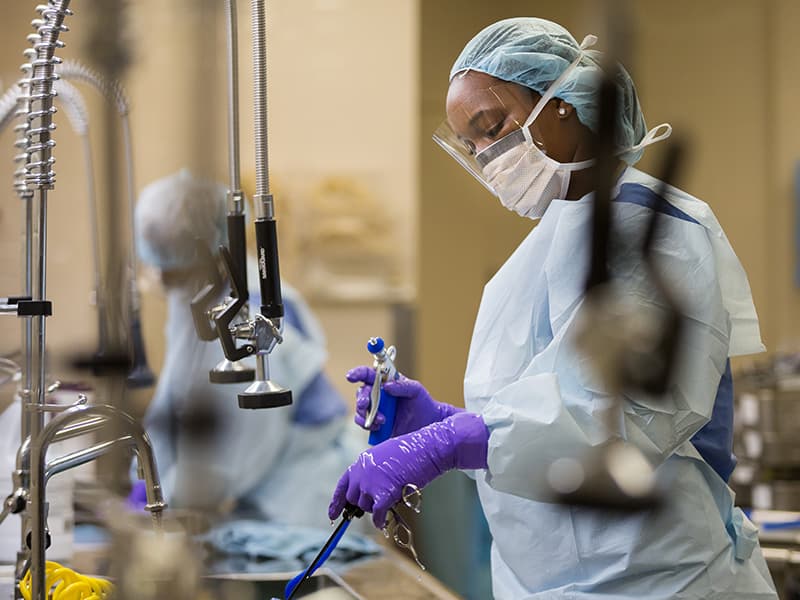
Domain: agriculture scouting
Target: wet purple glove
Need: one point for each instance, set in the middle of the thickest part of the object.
(415, 407)
(375, 481)
(137, 499)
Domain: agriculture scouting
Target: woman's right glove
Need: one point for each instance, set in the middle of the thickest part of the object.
(415, 407)
(375, 481)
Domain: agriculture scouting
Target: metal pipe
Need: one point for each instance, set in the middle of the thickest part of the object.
(40, 176)
(27, 324)
(20, 186)
(81, 457)
(70, 431)
(236, 205)
(39, 324)
(127, 144)
(39, 448)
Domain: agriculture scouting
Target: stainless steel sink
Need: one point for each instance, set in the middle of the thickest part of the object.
(265, 586)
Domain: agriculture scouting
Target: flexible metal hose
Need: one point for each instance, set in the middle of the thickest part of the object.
(39, 168)
(8, 106)
(21, 129)
(77, 113)
(113, 92)
(74, 106)
(260, 104)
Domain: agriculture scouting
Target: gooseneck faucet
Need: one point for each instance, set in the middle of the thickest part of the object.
(70, 423)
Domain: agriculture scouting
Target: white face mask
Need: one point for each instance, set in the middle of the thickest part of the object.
(524, 178)
(513, 168)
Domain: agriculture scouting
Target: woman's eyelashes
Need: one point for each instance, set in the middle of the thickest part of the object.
(495, 130)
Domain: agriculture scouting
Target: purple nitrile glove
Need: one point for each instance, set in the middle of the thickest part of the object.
(375, 481)
(137, 499)
(415, 407)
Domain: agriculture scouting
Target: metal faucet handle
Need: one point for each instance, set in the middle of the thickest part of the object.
(82, 400)
(266, 333)
(13, 504)
(6, 508)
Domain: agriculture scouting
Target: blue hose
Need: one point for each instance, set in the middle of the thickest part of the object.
(290, 587)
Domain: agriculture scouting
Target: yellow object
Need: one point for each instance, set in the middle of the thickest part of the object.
(66, 584)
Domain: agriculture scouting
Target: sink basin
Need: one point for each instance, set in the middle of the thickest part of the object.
(323, 585)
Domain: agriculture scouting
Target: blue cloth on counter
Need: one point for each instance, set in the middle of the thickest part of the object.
(263, 540)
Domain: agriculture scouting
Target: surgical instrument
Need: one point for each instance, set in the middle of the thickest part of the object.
(398, 529)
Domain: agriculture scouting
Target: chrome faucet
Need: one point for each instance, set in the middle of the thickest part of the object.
(34, 471)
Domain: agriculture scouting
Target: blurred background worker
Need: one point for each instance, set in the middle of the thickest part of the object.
(212, 454)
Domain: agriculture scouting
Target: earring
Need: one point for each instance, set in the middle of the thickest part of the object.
(562, 111)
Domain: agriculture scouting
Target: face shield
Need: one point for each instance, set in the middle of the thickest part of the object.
(493, 135)
(484, 119)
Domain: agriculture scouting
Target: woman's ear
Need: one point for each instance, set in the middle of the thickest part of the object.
(564, 109)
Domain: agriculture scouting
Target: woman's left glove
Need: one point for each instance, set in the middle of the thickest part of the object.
(415, 406)
(374, 482)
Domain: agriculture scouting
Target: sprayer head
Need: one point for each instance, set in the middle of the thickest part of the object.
(264, 393)
(231, 372)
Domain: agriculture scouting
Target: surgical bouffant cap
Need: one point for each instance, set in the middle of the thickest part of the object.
(534, 52)
(175, 216)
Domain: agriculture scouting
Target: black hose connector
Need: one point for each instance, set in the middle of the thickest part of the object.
(237, 246)
(223, 321)
(140, 375)
(269, 277)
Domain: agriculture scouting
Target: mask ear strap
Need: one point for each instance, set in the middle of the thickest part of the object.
(651, 137)
(588, 42)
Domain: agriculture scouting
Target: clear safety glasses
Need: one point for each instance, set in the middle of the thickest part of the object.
(477, 130)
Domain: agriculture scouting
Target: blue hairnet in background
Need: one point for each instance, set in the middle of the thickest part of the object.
(534, 52)
(176, 213)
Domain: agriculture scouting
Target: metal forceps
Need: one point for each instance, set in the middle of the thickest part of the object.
(397, 528)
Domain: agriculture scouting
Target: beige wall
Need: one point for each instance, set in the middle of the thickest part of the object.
(722, 71)
(782, 164)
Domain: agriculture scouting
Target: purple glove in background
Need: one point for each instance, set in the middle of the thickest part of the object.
(415, 407)
(374, 482)
(137, 499)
